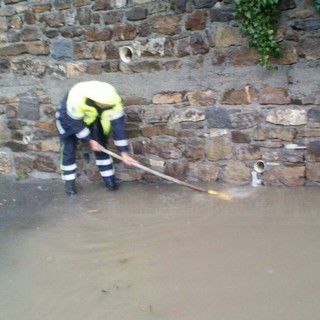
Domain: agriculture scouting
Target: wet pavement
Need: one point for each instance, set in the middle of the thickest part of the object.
(158, 251)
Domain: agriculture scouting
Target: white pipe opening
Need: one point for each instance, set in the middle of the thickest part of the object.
(126, 54)
(259, 166)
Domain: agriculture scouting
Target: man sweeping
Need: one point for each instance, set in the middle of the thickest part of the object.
(89, 112)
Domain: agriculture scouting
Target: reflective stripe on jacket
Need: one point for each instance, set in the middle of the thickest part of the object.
(78, 114)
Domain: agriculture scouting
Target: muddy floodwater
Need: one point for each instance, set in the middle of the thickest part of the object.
(158, 251)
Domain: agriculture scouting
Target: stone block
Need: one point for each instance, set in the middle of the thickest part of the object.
(218, 117)
(82, 51)
(274, 95)
(313, 151)
(309, 48)
(75, 69)
(52, 146)
(141, 2)
(28, 107)
(267, 133)
(71, 31)
(196, 21)
(293, 176)
(289, 56)
(240, 137)
(16, 146)
(242, 57)
(199, 4)
(23, 164)
(221, 15)
(53, 19)
(81, 3)
(183, 48)
(137, 13)
(100, 5)
(13, 49)
(156, 114)
(236, 172)
(243, 95)
(199, 44)
(167, 24)
(37, 48)
(62, 49)
(84, 16)
(98, 51)
(157, 130)
(219, 148)
(287, 117)
(201, 97)
(179, 6)
(44, 163)
(122, 31)
(188, 115)
(134, 100)
(62, 4)
(159, 46)
(167, 98)
(163, 149)
(23, 7)
(227, 37)
(41, 7)
(248, 152)
(174, 64)
(193, 149)
(16, 22)
(6, 161)
(204, 172)
(7, 11)
(176, 169)
(111, 17)
(313, 172)
(98, 34)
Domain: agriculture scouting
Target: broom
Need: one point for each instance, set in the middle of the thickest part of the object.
(224, 195)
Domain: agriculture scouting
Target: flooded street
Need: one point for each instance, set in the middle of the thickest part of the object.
(158, 251)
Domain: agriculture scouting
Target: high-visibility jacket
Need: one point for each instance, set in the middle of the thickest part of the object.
(77, 112)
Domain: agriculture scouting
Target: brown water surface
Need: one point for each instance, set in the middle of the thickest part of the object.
(158, 251)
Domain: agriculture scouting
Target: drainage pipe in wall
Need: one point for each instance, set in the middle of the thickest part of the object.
(259, 166)
(126, 54)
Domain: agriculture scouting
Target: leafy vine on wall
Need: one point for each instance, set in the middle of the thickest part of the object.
(258, 19)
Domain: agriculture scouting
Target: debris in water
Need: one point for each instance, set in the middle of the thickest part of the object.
(123, 260)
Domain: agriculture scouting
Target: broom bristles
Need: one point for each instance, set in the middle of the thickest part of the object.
(224, 195)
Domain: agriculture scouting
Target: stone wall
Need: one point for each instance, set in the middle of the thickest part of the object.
(199, 107)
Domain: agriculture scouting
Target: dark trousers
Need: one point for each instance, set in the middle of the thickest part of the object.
(68, 154)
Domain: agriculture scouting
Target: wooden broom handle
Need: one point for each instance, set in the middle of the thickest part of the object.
(157, 173)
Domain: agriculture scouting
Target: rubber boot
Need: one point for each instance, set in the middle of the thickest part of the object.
(70, 187)
(111, 183)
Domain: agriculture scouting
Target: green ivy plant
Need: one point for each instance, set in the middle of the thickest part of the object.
(317, 5)
(258, 19)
